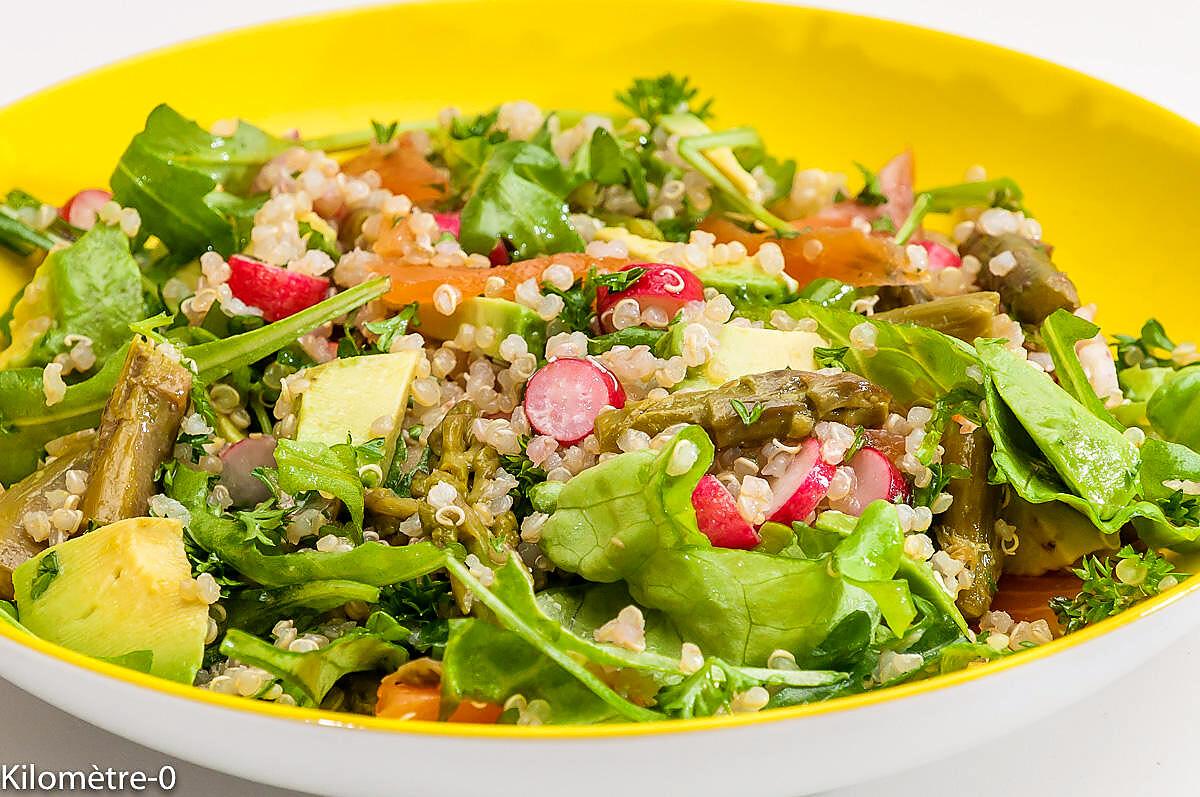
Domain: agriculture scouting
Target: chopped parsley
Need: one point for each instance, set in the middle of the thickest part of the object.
(47, 570)
(872, 191)
(1110, 587)
(388, 329)
(653, 98)
(834, 357)
(384, 132)
(747, 415)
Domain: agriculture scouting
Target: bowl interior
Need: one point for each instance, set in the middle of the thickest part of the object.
(1108, 174)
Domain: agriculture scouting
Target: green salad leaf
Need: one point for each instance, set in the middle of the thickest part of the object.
(917, 365)
(1060, 332)
(519, 197)
(27, 424)
(371, 563)
(1172, 408)
(92, 288)
(257, 610)
(185, 182)
(305, 466)
(309, 676)
(628, 519)
(1093, 459)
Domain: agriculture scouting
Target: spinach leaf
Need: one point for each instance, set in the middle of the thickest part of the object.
(519, 197)
(309, 676)
(306, 466)
(1095, 460)
(628, 520)
(27, 424)
(629, 336)
(371, 563)
(917, 365)
(181, 178)
(1060, 332)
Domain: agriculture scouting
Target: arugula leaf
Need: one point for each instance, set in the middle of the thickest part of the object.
(1110, 589)
(181, 180)
(388, 329)
(306, 466)
(747, 415)
(257, 610)
(871, 194)
(309, 676)
(606, 161)
(369, 563)
(1151, 349)
(652, 98)
(629, 336)
(917, 365)
(519, 197)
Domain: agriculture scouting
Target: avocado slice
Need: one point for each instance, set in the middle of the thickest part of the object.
(346, 397)
(505, 316)
(1052, 536)
(742, 351)
(743, 282)
(115, 594)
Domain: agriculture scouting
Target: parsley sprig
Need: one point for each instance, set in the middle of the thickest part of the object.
(1112, 585)
(653, 98)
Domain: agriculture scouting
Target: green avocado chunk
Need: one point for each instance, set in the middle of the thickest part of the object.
(115, 592)
(502, 315)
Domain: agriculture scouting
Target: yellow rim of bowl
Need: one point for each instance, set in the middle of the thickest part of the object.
(462, 730)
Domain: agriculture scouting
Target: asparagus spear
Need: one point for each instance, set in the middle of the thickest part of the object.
(964, 317)
(968, 528)
(1033, 288)
(137, 433)
(30, 495)
(791, 403)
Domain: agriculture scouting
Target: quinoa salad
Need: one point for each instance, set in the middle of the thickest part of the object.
(542, 417)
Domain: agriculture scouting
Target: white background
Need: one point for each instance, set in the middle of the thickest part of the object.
(1135, 738)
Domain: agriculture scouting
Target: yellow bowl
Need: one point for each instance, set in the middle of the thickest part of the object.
(1109, 175)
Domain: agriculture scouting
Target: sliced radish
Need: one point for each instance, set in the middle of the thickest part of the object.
(940, 256)
(802, 486)
(876, 479)
(667, 288)
(238, 462)
(564, 397)
(449, 222)
(452, 223)
(717, 516)
(896, 183)
(276, 291)
(80, 210)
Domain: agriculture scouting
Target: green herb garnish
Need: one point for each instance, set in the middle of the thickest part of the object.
(1109, 588)
(747, 415)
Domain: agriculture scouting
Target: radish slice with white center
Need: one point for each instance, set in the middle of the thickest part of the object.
(877, 479)
(802, 486)
(564, 397)
(80, 210)
(717, 516)
(663, 287)
(238, 462)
